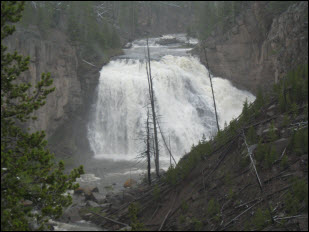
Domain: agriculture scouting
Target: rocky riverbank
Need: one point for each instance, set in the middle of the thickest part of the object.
(95, 207)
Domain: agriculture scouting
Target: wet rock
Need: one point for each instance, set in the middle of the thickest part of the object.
(92, 204)
(115, 201)
(167, 41)
(98, 198)
(105, 206)
(127, 46)
(71, 214)
(87, 191)
(127, 197)
(79, 199)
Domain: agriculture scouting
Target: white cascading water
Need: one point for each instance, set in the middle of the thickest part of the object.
(183, 98)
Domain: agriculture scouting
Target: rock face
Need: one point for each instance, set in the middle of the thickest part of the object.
(64, 116)
(60, 59)
(259, 48)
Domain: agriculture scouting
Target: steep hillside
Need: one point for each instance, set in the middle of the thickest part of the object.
(253, 175)
(260, 46)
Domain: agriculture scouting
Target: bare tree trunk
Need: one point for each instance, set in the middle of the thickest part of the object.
(148, 149)
(213, 95)
(258, 178)
(153, 114)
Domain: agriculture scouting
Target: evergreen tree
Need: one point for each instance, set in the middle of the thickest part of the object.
(245, 111)
(28, 171)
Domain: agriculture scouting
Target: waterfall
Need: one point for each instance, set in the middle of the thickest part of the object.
(183, 98)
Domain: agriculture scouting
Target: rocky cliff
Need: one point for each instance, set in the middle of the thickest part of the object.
(259, 47)
(75, 81)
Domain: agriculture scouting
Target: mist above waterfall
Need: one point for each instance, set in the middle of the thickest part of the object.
(183, 99)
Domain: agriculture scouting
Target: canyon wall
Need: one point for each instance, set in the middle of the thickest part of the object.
(259, 48)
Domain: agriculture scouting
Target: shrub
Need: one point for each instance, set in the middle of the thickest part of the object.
(157, 193)
(260, 219)
(251, 136)
(272, 134)
(213, 208)
(184, 206)
(197, 224)
(284, 162)
(261, 151)
(271, 157)
(134, 209)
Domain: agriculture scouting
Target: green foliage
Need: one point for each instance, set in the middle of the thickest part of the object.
(271, 157)
(197, 224)
(292, 90)
(231, 193)
(291, 204)
(157, 193)
(212, 15)
(245, 111)
(286, 120)
(79, 21)
(244, 161)
(213, 207)
(261, 151)
(284, 162)
(134, 209)
(251, 136)
(187, 163)
(299, 142)
(261, 219)
(28, 170)
(184, 206)
(265, 154)
(182, 218)
(171, 175)
(272, 134)
(297, 195)
(259, 101)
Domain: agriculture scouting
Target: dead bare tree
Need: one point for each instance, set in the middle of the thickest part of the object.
(148, 148)
(213, 95)
(257, 177)
(151, 95)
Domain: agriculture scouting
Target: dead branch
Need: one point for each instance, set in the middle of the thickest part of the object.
(109, 219)
(242, 213)
(166, 216)
(257, 175)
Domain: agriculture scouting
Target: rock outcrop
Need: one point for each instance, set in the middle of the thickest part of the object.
(55, 55)
(259, 48)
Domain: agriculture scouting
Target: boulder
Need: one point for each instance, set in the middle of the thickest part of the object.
(115, 201)
(265, 133)
(127, 197)
(92, 204)
(86, 190)
(71, 214)
(280, 144)
(167, 41)
(98, 198)
(127, 46)
(105, 206)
